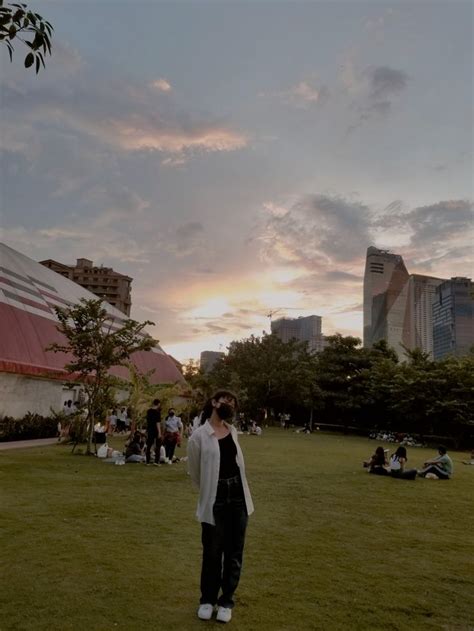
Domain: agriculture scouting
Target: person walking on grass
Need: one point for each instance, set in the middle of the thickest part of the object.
(153, 421)
(173, 434)
(216, 467)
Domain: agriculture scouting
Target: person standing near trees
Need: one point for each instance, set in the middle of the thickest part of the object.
(216, 467)
(173, 434)
(153, 421)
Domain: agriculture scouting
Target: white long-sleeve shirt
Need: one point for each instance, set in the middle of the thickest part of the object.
(203, 467)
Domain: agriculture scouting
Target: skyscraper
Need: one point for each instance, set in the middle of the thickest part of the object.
(453, 318)
(304, 329)
(209, 359)
(385, 300)
(421, 290)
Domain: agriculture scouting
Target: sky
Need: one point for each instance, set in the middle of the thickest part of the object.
(238, 158)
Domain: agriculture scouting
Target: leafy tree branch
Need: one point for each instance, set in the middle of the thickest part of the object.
(20, 24)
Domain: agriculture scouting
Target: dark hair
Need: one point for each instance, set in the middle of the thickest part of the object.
(156, 402)
(378, 459)
(401, 452)
(208, 407)
(442, 449)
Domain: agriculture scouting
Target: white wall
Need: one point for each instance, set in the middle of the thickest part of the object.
(19, 395)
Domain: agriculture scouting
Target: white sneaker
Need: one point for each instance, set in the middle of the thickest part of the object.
(205, 612)
(224, 614)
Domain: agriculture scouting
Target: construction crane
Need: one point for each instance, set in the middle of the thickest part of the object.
(272, 312)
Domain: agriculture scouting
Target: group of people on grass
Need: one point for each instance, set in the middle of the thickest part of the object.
(440, 467)
(160, 439)
(216, 467)
(118, 421)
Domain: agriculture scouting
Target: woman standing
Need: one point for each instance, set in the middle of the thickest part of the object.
(216, 467)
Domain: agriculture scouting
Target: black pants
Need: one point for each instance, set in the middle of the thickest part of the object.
(442, 475)
(169, 444)
(150, 441)
(223, 544)
(378, 470)
(407, 474)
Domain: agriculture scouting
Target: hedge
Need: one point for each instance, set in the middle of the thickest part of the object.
(29, 427)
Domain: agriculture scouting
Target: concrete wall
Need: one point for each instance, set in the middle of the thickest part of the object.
(19, 395)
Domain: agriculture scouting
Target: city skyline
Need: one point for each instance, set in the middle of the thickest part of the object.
(239, 158)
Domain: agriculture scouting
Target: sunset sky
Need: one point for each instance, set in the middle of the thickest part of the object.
(239, 157)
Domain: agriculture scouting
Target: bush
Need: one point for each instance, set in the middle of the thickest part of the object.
(29, 427)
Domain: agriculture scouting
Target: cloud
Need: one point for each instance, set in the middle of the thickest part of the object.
(304, 94)
(136, 133)
(441, 236)
(337, 275)
(274, 209)
(325, 239)
(189, 230)
(385, 81)
(186, 240)
(376, 25)
(162, 85)
(354, 307)
(373, 90)
(215, 328)
(130, 119)
(178, 161)
(317, 230)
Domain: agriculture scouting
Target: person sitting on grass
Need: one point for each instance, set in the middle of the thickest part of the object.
(398, 461)
(135, 448)
(471, 461)
(441, 466)
(378, 463)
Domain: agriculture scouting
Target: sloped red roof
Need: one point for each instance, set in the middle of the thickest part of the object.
(28, 294)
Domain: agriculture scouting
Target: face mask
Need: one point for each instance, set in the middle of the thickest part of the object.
(171, 414)
(225, 411)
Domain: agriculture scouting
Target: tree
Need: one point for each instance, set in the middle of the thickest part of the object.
(97, 343)
(18, 22)
(341, 379)
(265, 373)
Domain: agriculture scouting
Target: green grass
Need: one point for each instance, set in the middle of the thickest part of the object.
(91, 546)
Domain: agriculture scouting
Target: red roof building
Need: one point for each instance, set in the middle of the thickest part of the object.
(31, 378)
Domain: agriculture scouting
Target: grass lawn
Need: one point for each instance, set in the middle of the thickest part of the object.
(91, 546)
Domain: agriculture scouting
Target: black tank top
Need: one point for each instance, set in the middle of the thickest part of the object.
(228, 465)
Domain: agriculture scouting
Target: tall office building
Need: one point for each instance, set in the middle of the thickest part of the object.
(104, 282)
(386, 315)
(304, 329)
(453, 318)
(209, 359)
(421, 290)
